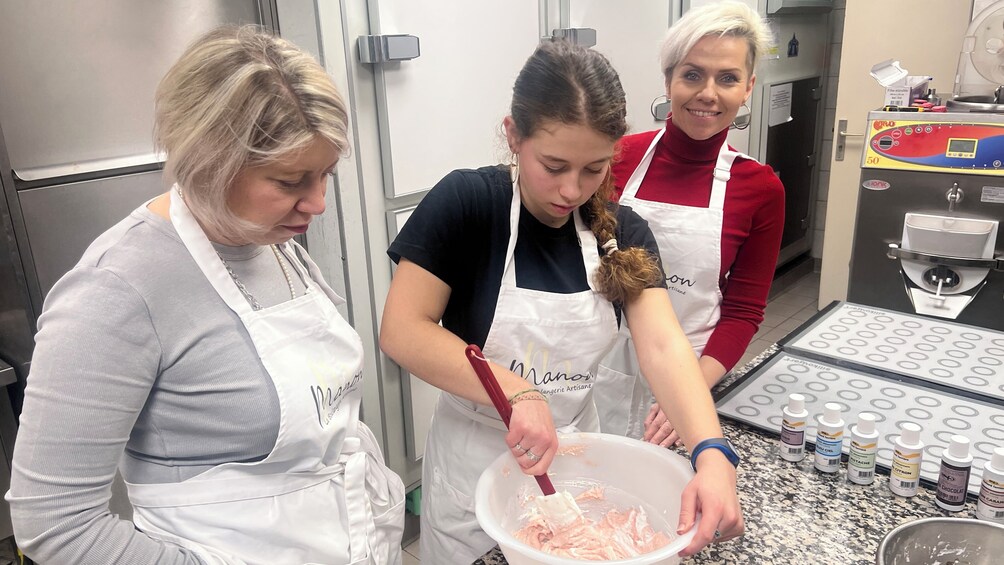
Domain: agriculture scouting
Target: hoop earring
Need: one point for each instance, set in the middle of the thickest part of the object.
(514, 169)
(655, 102)
(749, 112)
(660, 110)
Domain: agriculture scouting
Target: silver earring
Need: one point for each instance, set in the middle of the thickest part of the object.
(660, 107)
(514, 169)
(745, 123)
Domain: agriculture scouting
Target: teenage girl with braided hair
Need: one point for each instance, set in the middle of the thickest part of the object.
(533, 263)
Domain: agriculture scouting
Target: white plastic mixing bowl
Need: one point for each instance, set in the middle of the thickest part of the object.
(652, 474)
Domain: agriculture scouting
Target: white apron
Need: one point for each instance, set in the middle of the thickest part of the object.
(555, 341)
(690, 246)
(323, 495)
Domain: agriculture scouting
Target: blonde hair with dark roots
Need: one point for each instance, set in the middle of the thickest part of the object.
(241, 97)
(732, 19)
(573, 85)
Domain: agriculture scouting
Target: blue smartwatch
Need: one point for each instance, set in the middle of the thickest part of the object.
(720, 443)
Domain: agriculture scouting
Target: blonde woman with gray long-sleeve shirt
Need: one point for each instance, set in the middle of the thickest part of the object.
(199, 351)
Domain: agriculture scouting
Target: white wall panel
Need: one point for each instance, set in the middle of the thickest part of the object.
(630, 38)
(444, 109)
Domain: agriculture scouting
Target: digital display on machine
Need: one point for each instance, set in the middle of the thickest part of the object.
(961, 148)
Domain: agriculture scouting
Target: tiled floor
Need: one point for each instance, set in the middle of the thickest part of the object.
(785, 312)
(411, 554)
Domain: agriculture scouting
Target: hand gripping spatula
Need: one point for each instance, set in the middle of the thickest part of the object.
(557, 509)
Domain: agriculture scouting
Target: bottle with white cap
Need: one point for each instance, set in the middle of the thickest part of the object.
(864, 444)
(953, 480)
(793, 420)
(829, 439)
(991, 503)
(904, 477)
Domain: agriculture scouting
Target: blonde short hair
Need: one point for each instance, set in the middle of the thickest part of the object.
(733, 19)
(241, 97)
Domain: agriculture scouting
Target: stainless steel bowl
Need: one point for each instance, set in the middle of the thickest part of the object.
(943, 541)
(985, 104)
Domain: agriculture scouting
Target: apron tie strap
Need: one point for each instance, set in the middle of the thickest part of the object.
(361, 527)
(210, 491)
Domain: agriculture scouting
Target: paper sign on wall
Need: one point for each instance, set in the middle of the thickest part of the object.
(780, 104)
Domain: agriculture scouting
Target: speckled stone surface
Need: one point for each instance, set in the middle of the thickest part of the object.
(797, 515)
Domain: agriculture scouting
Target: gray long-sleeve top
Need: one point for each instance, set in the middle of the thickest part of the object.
(139, 361)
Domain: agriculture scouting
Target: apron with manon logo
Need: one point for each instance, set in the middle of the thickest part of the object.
(555, 341)
(322, 495)
(690, 246)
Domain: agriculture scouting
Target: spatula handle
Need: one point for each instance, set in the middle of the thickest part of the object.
(501, 403)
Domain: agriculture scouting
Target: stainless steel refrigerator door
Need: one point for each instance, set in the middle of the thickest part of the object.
(77, 85)
(62, 220)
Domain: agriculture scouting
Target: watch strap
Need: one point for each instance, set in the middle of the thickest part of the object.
(720, 443)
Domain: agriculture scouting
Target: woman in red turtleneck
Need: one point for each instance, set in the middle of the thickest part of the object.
(717, 214)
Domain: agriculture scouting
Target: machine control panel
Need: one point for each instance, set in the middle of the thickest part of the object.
(948, 146)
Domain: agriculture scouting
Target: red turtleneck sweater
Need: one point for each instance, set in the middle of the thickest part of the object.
(681, 173)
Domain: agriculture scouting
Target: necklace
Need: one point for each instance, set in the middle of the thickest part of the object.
(255, 305)
(282, 264)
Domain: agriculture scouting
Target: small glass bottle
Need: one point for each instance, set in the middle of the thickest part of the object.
(793, 420)
(864, 444)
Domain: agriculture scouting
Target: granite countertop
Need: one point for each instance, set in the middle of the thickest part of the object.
(795, 514)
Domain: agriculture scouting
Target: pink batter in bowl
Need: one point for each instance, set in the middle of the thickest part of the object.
(631, 475)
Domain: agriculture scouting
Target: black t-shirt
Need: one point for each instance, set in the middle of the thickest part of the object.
(459, 234)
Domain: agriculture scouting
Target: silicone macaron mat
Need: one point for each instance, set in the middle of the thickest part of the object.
(758, 397)
(929, 349)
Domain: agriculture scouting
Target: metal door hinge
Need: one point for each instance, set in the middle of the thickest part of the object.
(584, 36)
(375, 49)
(810, 160)
(817, 93)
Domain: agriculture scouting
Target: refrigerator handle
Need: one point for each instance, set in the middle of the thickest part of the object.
(151, 160)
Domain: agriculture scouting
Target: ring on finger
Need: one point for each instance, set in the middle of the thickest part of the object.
(531, 456)
(519, 447)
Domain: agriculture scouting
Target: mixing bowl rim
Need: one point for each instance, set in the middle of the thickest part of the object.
(505, 538)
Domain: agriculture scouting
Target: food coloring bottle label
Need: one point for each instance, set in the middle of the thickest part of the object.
(861, 463)
(991, 503)
(792, 433)
(792, 440)
(905, 475)
(953, 482)
(828, 448)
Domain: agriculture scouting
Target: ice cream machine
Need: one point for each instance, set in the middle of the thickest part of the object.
(930, 201)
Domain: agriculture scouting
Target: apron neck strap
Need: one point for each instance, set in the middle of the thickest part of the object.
(638, 175)
(722, 174)
(205, 256)
(313, 274)
(587, 242)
